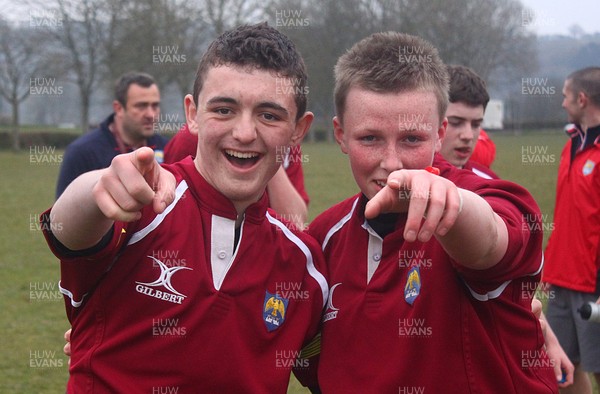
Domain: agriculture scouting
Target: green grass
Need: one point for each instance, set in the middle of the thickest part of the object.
(31, 327)
(327, 177)
(37, 128)
(535, 171)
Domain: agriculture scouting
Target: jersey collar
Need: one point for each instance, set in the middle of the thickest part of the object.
(581, 140)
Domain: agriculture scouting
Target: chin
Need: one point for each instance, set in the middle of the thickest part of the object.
(248, 194)
(370, 194)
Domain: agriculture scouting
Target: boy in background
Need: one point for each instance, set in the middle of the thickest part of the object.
(468, 98)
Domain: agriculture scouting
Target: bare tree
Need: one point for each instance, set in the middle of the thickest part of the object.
(22, 60)
(225, 14)
(166, 38)
(490, 36)
(161, 37)
(484, 35)
(81, 35)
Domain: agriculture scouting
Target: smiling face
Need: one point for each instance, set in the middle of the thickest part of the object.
(385, 132)
(464, 126)
(243, 122)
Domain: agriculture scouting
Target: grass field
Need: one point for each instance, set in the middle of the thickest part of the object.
(32, 310)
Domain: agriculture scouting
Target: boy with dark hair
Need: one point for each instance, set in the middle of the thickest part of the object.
(165, 280)
(468, 98)
(426, 271)
(467, 87)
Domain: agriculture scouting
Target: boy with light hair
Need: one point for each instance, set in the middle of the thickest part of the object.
(429, 266)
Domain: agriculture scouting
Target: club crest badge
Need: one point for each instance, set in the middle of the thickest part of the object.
(412, 289)
(588, 167)
(274, 311)
(159, 155)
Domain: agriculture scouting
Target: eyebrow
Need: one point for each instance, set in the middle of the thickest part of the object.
(222, 99)
(461, 118)
(275, 106)
(145, 103)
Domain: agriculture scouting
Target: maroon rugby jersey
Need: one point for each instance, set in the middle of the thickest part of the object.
(171, 304)
(480, 170)
(404, 318)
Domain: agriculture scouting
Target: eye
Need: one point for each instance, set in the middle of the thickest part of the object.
(269, 116)
(412, 139)
(223, 111)
(367, 138)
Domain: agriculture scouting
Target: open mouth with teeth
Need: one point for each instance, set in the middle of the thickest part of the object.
(242, 159)
(381, 184)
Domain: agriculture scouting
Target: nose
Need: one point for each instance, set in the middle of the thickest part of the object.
(152, 112)
(244, 129)
(391, 159)
(467, 133)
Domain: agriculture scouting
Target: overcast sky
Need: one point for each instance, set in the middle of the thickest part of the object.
(557, 16)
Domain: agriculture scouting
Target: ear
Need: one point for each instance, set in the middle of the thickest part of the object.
(190, 113)
(117, 107)
(582, 99)
(302, 127)
(440, 134)
(338, 133)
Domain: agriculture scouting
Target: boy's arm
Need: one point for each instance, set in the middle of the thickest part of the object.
(92, 202)
(285, 200)
(457, 217)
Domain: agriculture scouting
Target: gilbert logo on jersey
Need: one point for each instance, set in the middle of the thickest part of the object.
(274, 309)
(164, 281)
(331, 312)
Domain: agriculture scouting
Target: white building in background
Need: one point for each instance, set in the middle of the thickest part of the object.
(493, 119)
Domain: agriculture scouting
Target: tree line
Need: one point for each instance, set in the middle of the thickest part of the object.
(89, 43)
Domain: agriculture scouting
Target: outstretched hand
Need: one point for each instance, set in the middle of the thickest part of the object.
(131, 182)
(423, 195)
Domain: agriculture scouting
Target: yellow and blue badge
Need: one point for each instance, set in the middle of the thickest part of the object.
(159, 155)
(274, 310)
(588, 167)
(412, 289)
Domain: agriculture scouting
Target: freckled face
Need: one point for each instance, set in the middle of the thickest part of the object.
(385, 132)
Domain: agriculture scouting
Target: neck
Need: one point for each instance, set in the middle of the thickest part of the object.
(133, 143)
(591, 119)
(239, 205)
